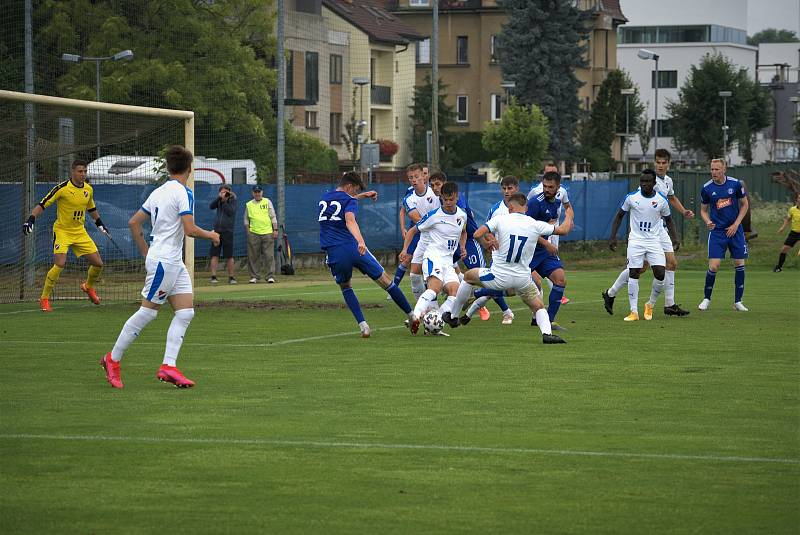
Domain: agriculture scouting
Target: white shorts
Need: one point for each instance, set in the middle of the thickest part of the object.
(666, 242)
(652, 251)
(441, 268)
(419, 252)
(164, 280)
(506, 281)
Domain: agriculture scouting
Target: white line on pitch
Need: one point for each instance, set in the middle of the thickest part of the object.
(430, 447)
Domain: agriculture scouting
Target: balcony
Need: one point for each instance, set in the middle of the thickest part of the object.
(381, 94)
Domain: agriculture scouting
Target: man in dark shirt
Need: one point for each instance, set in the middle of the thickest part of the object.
(225, 205)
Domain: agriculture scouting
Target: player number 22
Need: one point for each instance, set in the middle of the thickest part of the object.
(334, 216)
(514, 238)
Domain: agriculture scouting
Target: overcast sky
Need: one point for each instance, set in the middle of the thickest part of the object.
(780, 14)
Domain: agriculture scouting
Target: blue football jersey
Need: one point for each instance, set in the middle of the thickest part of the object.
(472, 225)
(541, 209)
(332, 228)
(724, 201)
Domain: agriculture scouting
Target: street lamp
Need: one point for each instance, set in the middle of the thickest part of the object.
(725, 95)
(626, 92)
(643, 53)
(75, 58)
(361, 81)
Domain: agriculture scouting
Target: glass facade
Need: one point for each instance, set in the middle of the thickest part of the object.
(710, 33)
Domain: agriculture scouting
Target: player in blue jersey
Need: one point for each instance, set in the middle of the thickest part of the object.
(340, 238)
(546, 207)
(649, 211)
(728, 204)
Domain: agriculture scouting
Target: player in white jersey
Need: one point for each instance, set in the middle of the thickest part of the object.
(647, 209)
(444, 230)
(509, 185)
(664, 185)
(418, 203)
(170, 210)
(513, 237)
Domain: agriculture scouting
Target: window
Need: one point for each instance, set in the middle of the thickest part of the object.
(424, 51)
(419, 3)
(461, 109)
(497, 106)
(289, 74)
(312, 76)
(493, 49)
(664, 127)
(336, 129)
(666, 79)
(308, 6)
(336, 69)
(239, 175)
(462, 51)
(311, 119)
(372, 127)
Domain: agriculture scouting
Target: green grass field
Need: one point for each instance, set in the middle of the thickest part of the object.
(297, 425)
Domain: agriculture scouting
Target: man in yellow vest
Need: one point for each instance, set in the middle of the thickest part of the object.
(262, 231)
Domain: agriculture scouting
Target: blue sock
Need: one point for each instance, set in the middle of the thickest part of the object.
(399, 297)
(738, 279)
(485, 292)
(353, 304)
(554, 301)
(711, 276)
(399, 273)
(501, 303)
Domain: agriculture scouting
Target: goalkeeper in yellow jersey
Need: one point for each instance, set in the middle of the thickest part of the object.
(75, 199)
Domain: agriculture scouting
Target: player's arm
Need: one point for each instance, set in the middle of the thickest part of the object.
(705, 217)
(485, 236)
(407, 239)
(352, 226)
(568, 209)
(462, 242)
(192, 230)
(612, 241)
(371, 194)
(744, 204)
(135, 224)
(786, 221)
(672, 231)
(95, 215)
(414, 215)
(564, 228)
(27, 227)
(676, 203)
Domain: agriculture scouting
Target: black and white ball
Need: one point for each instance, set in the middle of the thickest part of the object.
(432, 321)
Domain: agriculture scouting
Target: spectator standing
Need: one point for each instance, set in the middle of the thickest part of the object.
(262, 231)
(225, 204)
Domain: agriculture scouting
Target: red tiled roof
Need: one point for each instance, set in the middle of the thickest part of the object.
(372, 18)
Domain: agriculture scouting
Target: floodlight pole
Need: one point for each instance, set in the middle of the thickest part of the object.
(725, 95)
(648, 54)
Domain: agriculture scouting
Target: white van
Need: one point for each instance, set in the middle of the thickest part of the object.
(116, 169)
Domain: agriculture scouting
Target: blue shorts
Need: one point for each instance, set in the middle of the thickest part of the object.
(413, 245)
(342, 259)
(474, 258)
(718, 243)
(544, 263)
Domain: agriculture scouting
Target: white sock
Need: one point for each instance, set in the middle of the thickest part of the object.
(669, 288)
(424, 303)
(621, 281)
(465, 289)
(543, 321)
(447, 306)
(658, 287)
(417, 285)
(633, 294)
(175, 334)
(478, 303)
(131, 330)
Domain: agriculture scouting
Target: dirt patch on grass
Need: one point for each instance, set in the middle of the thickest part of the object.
(278, 305)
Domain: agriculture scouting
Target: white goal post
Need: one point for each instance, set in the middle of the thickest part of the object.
(186, 116)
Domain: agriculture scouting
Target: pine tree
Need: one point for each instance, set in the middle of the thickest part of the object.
(539, 49)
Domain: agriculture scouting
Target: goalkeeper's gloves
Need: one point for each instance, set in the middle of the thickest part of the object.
(101, 226)
(27, 227)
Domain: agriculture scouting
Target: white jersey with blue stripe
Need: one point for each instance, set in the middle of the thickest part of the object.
(442, 231)
(166, 205)
(423, 204)
(499, 208)
(646, 214)
(517, 235)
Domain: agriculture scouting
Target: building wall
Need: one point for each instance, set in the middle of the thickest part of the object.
(731, 13)
(785, 53)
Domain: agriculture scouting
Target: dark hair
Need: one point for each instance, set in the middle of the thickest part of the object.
(224, 186)
(414, 167)
(552, 175)
(662, 153)
(549, 164)
(438, 175)
(649, 172)
(509, 181)
(351, 178)
(79, 162)
(449, 188)
(179, 159)
(519, 199)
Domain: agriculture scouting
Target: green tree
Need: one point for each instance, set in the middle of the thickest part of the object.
(518, 141)
(773, 35)
(305, 152)
(610, 117)
(421, 123)
(698, 113)
(539, 49)
(208, 57)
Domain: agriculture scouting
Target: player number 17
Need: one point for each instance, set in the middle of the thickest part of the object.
(521, 244)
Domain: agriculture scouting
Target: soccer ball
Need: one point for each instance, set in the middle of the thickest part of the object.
(433, 322)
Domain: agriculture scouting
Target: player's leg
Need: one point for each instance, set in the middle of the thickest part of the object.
(791, 239)
(472, 278)
(559, 280)
(451, 281)
(340, 261)
(717, 245)
(657, 260)
(95, 269)
(738, 247)
(432, 271)
(370, 266)
(530, 295)
(636, 257)
(50, 280)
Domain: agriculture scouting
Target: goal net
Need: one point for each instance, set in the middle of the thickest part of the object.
(40, 137)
